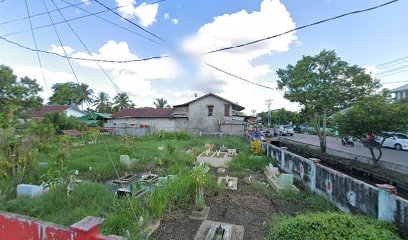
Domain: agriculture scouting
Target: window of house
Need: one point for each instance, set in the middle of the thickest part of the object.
(226, 110)
(210, 110)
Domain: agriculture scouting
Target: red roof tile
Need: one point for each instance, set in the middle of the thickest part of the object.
(144, 113)
(46, 109)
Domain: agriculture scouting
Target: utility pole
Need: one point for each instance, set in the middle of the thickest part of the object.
(268, 103)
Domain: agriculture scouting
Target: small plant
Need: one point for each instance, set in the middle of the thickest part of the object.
(256, 148)
(199, 174)
(171, 147)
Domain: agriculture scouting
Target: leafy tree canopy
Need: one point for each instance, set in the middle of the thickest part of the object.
(161, 103)
(18, 97)
(323, 85)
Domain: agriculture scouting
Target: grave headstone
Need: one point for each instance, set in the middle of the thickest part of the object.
(232, 152)
(28, 190)
(125, 160)
(271, 170)
(223, 148)
(221, 170)
(285, 181)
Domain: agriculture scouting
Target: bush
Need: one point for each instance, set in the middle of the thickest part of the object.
(331, 226)
(256, 148)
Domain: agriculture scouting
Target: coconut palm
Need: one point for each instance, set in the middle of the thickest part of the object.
(122, 101)
(101, 102)
(84, 95)
(161, 103)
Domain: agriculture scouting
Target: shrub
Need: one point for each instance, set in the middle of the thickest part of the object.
(331, 226)
(256, 147)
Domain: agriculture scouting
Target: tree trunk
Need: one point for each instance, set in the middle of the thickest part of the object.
(321, 134)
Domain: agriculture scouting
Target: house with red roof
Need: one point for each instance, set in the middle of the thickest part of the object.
(69, 111)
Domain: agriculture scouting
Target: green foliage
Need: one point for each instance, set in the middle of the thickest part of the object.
(102, 103)
(243, 161)
(18, 97)
(326, 226)
(60, 122)
(282, 117)
(161, 103)
(163, 135)
(121, 100)
(171, 147)
(373, 115)
(323, 85)
(71, 93)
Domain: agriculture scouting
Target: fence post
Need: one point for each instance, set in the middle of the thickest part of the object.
(267, 150)
(387, 203)
(313, 175)
(284, 149)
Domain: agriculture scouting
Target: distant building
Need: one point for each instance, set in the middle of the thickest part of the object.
(400, 93)
(69, 111)
(208, 114)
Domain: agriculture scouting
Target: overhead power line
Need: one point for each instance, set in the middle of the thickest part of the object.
(76, 18)
(109, 21)
(304, 26)
(238, 77)
(36, 47)
(403, 81)
(129, 21)
(86, 48)
(60, 42)
(79, 58)
(40, 14)
(392, 62)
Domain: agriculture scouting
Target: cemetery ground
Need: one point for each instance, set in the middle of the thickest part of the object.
(264, 213)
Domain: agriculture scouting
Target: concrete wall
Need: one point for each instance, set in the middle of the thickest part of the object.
(156, 124)
(347, 193)
(18, 227)
(232, 129)
(70, 112)
(198, 114)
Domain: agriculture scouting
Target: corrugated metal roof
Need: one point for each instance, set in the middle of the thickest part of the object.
(50, 108)
(238, 107)
(401, 88)
(144, 113)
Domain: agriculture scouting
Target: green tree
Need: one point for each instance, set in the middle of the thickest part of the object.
(59, 122)
(64, 94)
(323, 85)
(373, 115)
(161, 103)
(101, 103)
(84, 94)
(121, 100)
(18, 97)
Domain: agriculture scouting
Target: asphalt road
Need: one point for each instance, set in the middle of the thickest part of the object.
(389, 155)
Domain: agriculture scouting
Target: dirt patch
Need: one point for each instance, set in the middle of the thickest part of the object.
(246, 206)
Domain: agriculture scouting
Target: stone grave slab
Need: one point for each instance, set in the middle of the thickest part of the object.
(282, 182)
(28, 190)
(208, 230)
(231, 182)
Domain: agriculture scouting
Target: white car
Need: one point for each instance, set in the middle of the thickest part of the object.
(285, 130)
(398, 141)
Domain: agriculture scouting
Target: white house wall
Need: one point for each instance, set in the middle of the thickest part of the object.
(156, 124)
(70, 112)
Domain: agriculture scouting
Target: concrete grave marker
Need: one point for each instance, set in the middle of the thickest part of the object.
(210, 230)
(232, 152)
(28, 190)
(231, 182)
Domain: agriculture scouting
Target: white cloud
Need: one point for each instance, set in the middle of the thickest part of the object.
(237, 28)
(146, 13)
(60, 50)
(87, 2)
(175, 21)
(166, 16)
(371, 70)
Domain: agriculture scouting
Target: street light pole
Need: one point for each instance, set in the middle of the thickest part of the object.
(268, 103)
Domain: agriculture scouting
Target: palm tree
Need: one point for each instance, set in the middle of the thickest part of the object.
(161, 103)
(84, 95)
(122, 101)
(101, 102)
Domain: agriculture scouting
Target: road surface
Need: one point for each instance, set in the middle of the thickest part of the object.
(389, 155)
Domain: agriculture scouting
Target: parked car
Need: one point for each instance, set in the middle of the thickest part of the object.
(285, 130)
(398, 141)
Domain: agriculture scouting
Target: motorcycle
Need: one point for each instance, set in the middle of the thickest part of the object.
(347, 141)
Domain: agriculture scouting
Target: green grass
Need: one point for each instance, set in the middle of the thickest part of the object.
(322, 226)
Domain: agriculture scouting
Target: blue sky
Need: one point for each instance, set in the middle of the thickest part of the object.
(367, 39)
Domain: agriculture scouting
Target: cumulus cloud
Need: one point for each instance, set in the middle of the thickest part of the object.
(60, 50)
(166, 16)
(237, 28)
(145, 13)
(175, 21)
